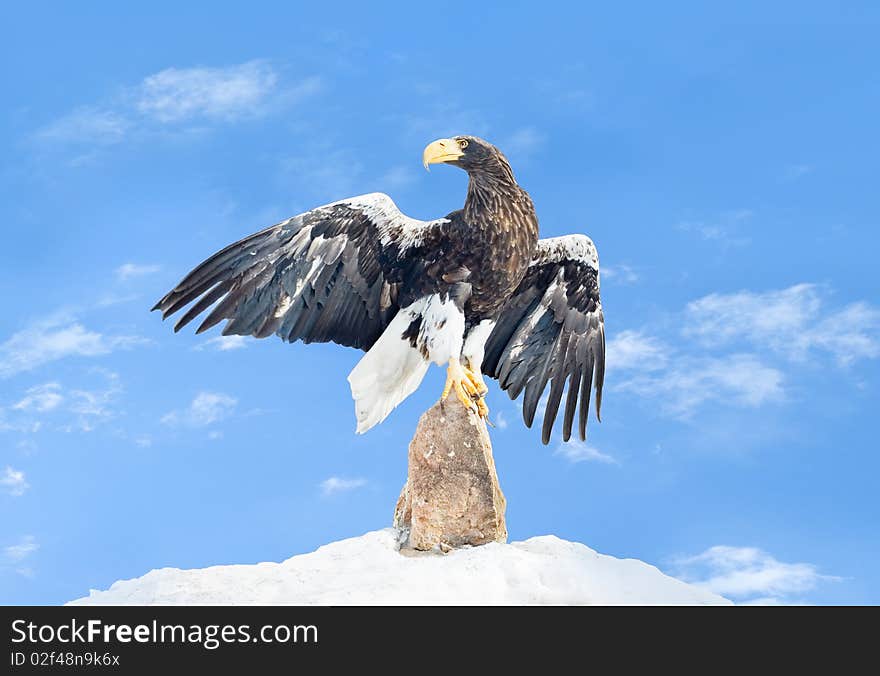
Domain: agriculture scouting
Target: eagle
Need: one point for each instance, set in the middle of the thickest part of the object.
(476, 291)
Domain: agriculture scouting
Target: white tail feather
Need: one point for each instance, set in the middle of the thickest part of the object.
(386, 375)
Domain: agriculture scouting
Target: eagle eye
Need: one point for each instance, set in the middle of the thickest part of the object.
(462, 143)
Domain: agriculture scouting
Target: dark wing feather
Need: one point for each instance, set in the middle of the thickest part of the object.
(329, 274)
(552, 330)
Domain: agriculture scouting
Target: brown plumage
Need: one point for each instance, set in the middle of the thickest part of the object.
(476, 286)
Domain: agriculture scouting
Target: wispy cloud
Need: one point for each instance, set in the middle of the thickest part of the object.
(55, 338)
(749, 575)
(176, 97)
(88, 125)
(738, 379)
(177, 94)
(128, 271)
(24, 548)
(724, 230)
(205, 409)
(501, 421)
(792, 322)
(224, 343)
(336, 484)
(770, 331)
(15, 556)
(13, 481)
(635, 350)
(77, 409)
(40, 398)
(578, 451)
(92, 406)
(619, 274)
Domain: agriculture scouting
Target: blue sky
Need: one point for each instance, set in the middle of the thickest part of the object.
(723, 159)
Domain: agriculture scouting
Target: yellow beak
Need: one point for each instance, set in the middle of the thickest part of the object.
(441, 150)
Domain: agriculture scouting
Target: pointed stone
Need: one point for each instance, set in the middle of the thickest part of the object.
(451, 497)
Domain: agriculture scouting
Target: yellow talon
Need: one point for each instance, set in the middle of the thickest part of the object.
(482, 409)
(447, 387)
(457, 379)
(477, 381)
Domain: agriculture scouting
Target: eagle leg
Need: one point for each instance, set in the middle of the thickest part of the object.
(457, 379)
(476, 378)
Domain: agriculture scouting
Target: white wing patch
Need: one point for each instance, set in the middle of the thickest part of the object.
(576, 247)
(390, 221)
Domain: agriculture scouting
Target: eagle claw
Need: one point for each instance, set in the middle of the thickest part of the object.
(477, 381)
(457, 379)
(468, 386)
(476, 378)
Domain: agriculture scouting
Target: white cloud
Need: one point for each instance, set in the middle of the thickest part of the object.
(739, 379)
(578, 451)
(619, 274)
(26, 546)
(749, 574)
(224, 343)
(336, 484)
(94, 405)
(175, 97)
(88, 406)
(177, 94)
(14, 481)
(144, 441)
(40, 398)
(501, 421)
(52, 339)
(205, 409)
(635, 350)
(128, 271)
(723, 230)
(21, 426)
(792, 322)
(90, 125)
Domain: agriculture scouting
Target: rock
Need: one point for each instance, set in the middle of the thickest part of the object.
(451, 497)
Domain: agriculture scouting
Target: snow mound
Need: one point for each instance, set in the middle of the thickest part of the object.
(369, 570)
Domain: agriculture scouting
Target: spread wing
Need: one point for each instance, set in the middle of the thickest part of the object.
(329, 274)
(552, 329)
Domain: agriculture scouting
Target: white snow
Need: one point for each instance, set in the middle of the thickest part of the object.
(369, 570)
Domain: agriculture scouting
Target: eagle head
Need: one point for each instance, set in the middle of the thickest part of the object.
(474, 155)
